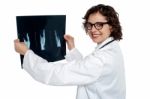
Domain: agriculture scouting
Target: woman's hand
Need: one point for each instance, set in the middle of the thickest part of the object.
(70, 41)
(20, 47)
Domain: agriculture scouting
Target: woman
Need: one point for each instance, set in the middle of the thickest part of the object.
(99, 75)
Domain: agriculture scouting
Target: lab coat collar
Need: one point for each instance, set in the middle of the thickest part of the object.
(103, 43)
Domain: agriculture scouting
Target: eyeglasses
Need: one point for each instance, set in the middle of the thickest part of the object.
(97, 25)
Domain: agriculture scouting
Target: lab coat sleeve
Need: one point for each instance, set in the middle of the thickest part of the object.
(73, 54)
(76, 72)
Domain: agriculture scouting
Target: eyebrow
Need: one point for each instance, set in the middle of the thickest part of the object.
(98, 21)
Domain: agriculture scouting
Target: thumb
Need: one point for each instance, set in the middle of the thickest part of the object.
(70, 41)
(16, 40)
(68, 37)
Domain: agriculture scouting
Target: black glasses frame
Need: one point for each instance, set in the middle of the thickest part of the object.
(97, 25)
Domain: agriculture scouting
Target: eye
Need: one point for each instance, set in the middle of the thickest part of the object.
(98, 24)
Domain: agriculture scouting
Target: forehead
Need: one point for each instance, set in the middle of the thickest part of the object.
(96, 17)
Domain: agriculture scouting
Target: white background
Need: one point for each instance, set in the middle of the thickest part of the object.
(134, 16)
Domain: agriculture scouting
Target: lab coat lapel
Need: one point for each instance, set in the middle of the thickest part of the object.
(101, 45)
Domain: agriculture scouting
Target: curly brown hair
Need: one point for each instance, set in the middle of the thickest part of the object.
(111, 16)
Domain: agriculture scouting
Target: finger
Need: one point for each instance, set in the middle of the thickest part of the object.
(66, 37)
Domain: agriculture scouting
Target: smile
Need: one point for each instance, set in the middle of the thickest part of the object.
(95, 35)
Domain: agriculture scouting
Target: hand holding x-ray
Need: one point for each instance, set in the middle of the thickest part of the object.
(20, 47)
(70, 41)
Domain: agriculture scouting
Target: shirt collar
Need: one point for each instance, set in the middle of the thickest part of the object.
(103, 43)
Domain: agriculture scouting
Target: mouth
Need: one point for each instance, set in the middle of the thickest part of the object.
(95, 35)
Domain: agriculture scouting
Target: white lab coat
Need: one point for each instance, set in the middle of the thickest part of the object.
(99, 75)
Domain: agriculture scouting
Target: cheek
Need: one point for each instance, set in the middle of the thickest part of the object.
(107, 31)
(90, 34)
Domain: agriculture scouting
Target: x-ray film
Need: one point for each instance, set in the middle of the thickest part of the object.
(44, 34)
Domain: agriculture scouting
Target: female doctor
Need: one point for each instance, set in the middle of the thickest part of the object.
(99, 75)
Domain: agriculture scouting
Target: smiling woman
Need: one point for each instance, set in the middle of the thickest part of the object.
(105, 21)
(101, 29)
(99, 75)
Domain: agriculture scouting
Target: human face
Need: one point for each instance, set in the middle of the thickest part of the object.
(98, 35)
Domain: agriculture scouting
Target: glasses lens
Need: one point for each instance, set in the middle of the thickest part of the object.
(98, 25)
(88, 26)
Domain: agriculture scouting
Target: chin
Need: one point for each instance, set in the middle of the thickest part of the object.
(96, 40)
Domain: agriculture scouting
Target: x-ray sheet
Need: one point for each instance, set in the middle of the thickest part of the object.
(44, 34)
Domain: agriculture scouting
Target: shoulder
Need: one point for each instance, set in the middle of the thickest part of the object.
(109, 52)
